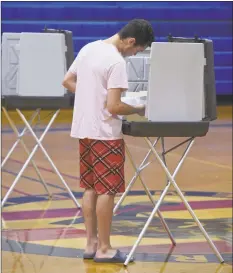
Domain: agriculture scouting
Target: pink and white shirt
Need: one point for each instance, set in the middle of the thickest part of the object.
(99, 66)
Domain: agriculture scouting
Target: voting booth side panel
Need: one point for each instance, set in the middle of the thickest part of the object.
(209, 82)
(175, 88)
(42, 65)
(10, 63)
(69, 44)
(69, 54)
(210, 95)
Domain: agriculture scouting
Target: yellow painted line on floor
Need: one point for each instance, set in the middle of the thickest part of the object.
(46, 222)
(38, 223)
(134, 200)
(206, 162)
(203, 214)
(65, 116)
(42, 205)
(138, 199)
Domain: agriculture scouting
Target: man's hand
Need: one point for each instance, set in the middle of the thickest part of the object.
(141, 110)
(116, 107)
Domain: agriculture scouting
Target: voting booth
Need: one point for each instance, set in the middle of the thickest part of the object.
(33, 68)
(180, 102)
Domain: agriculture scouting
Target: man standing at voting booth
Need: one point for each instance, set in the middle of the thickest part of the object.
(98, 76)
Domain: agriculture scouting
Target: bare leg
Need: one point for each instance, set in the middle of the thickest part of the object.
(90, 220)
(104, 211)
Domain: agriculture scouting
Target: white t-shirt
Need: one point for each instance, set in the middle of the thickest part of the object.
(99, 66)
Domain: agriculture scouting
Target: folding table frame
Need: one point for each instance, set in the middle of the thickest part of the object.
(171, 182)
(30, 155)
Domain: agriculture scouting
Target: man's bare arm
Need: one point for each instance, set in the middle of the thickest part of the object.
(116, 107)
(70, 81)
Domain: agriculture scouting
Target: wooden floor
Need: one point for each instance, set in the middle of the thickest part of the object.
(47, 235)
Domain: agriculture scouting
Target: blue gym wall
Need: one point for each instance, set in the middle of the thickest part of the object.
(96, 20)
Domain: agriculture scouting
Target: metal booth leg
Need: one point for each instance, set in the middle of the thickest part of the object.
(171, 181)
(131, 183)
(179, 192)
(19, 139)
(32, 154)
(138, 172)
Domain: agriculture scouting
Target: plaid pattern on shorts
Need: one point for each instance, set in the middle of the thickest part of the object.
(102, 165)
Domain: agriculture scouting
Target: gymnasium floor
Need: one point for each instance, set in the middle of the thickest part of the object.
(47, 235)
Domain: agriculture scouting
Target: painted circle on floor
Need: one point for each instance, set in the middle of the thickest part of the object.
(35, 225)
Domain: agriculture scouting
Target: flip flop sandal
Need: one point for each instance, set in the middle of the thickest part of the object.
(89, 256)
(118, 258)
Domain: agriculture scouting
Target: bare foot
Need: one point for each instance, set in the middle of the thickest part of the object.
(91, 247)
(109, 253)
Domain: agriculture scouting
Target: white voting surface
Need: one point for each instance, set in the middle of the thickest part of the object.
(42, 65)
(176, 82)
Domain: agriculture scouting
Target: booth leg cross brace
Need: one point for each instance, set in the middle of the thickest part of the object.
(21, 141)
(28, 126)
(171, 181)
(137, 174)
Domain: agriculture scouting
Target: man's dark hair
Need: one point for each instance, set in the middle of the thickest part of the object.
(139, 29)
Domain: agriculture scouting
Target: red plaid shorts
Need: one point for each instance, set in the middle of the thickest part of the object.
(102, 165)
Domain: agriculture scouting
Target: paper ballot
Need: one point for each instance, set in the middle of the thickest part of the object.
(134, 99)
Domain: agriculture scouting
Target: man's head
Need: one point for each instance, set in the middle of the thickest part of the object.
(135, 37)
